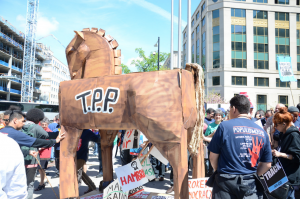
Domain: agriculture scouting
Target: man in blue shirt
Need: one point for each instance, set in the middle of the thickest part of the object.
(209, 116)
(240, 151)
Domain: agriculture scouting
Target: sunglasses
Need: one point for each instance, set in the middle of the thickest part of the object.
(5, 120)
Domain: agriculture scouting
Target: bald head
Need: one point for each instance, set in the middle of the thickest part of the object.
(278, 106)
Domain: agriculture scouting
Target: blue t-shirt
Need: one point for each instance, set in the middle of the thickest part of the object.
(241, 144)
(21, 138)
(83, 144)
(297, 123)
(208, 121)
(52, 126)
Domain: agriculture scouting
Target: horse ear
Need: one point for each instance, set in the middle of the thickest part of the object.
(80, 34)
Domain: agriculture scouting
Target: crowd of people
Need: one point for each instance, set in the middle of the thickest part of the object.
(241, 146)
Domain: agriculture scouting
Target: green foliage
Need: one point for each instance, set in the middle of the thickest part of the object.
(146, 64)
(125, 69)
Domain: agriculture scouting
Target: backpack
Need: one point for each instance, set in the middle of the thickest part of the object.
(28, 132)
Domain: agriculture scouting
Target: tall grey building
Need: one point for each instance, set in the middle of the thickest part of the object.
(237, 43)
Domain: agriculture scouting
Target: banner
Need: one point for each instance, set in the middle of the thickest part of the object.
(97, 196)
(155, 152)
(141, 195)
(131, 139)
(147, 167)
(114, 190)
(136, 191)
(131, 175)
(285, 69)
(198, 189)
(162, 197)
(275, 177)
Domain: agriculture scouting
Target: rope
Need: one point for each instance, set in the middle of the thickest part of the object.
(46, 176)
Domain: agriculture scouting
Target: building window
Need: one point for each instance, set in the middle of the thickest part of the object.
(240, 81)
(298, 83)
(216, 81)
(198, 29)
(238, 46)
(260, 81)
(260, 1)
(282, 2)
(238, 12)
(203, 22)
(203, 7)
(215, 14)
(184, 62)
(258, 14)
(283, 99)
(281, 84)
(197, 51)
(203, 44)
(184, 35)
(184, 46)
(197, 16)
(216, 47)
(261, 55)
(193, 35)
(193, 53)
(261, 102)
(193, 23)
(297, 3)
(282, 36)
(282, 16)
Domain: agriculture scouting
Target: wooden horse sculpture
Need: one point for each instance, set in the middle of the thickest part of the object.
(161, 104)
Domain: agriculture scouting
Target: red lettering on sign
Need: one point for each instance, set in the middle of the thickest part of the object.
(123, 180)
(131, 178)
(127, 143)
(129, 133)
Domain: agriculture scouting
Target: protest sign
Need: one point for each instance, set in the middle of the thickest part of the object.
(285, 69)
(136, 191)
(131, 139)
(198, 189)
(131, 175)
(275, 177)
(147, 167)
(114, 191)
(155, 152)
(141, 195)
(162, 197)
(258, 122)
(97, 196)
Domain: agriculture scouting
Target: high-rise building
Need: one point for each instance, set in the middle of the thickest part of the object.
(11, 67)
(237, 43)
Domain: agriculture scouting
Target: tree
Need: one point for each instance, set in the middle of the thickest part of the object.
(214, 98)
(125, 69)
(146, 64)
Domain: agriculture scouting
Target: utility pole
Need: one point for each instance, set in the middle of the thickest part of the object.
(171, 53)
(179, 35)
(158, 55)
(189, 46)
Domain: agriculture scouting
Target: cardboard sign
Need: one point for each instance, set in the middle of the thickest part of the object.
(114, 190)
(97, 196)
(131, 175)
(198, 189)
(275, 177)
(148, 169)
(135, 191)
(131, 139)
(162, 197)
(155, 152)
(141, 195)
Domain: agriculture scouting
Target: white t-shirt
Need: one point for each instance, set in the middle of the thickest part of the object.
(12, 170)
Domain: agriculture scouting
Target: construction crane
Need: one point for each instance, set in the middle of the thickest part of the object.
(53, 37)
(28, 73)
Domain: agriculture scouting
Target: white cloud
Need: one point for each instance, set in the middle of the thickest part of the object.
(45, 26)
(158, 10)
(132, 67)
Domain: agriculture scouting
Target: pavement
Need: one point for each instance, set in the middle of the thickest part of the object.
(92, 171)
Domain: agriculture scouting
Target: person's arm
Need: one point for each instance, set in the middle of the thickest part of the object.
(207, 139)
(41, 143)
(263, 167)
(41, 133)
(213, 157)
(53, 135)
(208, 131)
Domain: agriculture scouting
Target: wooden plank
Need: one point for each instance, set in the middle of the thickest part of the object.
(94, 30)
(117, 53)
(108, 37)
(117, 61)
(118, 70)
(114, 44)
(101, 32)
(86, 29)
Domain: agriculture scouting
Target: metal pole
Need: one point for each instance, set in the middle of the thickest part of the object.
(171, 54)
(179, 35)
(292, 94)
(158, 55)
(189, 47)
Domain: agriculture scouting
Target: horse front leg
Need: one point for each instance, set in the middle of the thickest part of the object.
(107, 140)
(68, 186)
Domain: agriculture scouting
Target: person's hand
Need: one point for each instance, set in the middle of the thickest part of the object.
(276, 153)
(33, 153)
(60, 137)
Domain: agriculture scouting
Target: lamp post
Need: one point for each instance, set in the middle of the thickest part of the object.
(157, 45)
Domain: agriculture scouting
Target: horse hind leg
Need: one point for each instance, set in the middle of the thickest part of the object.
(68, 171)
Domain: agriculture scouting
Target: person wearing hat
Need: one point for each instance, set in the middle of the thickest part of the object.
(295, 112)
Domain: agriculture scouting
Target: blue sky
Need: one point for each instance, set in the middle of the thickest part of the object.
(133, 23)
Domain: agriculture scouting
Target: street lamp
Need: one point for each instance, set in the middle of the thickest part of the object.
(157, 45)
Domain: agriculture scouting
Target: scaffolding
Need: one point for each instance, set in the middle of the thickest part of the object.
(28, 73)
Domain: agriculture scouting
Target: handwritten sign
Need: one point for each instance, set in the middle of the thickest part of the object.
(147, 167)
(114, 190)
(135, 191)
(131, 139)
(162, 197)
(198, 189)
(275, 177)
(155, 152)
(97, 196)
(141, 195)
(131, 175)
